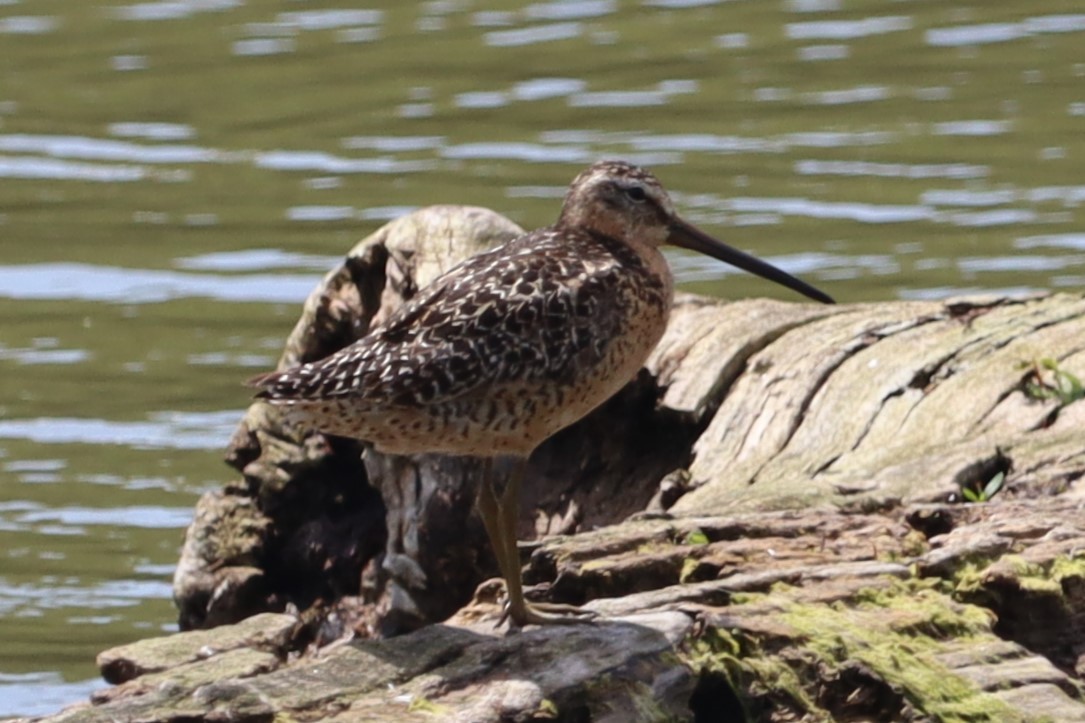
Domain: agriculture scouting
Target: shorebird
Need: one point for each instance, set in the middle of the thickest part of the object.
(513, 345)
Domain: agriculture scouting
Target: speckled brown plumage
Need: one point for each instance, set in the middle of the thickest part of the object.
(508, 347)
(515, 344)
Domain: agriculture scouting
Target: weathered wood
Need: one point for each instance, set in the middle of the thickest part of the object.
(878, 403)
(767, 616)
(267, 632)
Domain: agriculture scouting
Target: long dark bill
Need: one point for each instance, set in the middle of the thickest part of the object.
(689, 237)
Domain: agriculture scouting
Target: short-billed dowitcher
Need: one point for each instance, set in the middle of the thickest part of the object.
(514, 344)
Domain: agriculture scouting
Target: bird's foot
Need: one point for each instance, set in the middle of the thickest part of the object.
(547, 614)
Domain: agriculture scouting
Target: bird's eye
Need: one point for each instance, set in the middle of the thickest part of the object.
(636, 193)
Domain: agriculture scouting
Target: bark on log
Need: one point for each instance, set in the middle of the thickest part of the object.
(760, 616)
(880, 403)
(771, 518)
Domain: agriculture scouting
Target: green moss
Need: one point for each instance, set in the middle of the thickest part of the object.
(973, 581)
(1021, 567)
(1040, 585)
(745, 598)
(914, 544)
(696, 536)
(425, 705)
(897, 632)
(1048, 579)
(716, 645)
(968, 578)
(921, 607)
(747, 669)
(1065, 568)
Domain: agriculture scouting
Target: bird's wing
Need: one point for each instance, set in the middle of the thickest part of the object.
(518, 312)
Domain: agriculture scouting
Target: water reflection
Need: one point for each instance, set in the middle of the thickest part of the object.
(481, 99)
(124, 63)
(161, 430)
(220, 359)
(999, 217)
(358, 35)
(986, 33)
(416, 110)
(263, 46)
(328, 163)
(393, 144)
(31, 168)
(861, 212)
(43, 692)
(329, 19)
(972, 128)
(320, 213)
(678, 4)
(33, 465)
(1059, 241)
(564, 10)
(80, 517)
(153, 131)
(619, 99)
(709, 143)
(891, 170)
(816, 53)
(173, 9)
(528, 152)
(813, 6)
(28, 24)
(532, 35)
(44, 356)
(85, 282)
(971, 266)
(99, 149)
(28, 600)
(965, 197)
(847, 29)
(848, 96)
(689, 268)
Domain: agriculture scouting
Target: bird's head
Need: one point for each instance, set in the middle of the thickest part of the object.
(619, 200)
(625, 202)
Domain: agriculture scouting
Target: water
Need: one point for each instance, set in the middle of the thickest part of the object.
(175, 176)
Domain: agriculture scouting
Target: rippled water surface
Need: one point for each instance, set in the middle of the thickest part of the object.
(175, 176)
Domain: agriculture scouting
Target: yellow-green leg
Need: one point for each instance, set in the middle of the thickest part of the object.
(500, 516)
(490, 511)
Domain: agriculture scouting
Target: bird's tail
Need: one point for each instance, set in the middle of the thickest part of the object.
(271, 385)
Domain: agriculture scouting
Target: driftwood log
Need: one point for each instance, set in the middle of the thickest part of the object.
(862, 512)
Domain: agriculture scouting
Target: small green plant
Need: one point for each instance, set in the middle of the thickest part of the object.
(989, 490)
(1047, 380)
(696, 536)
